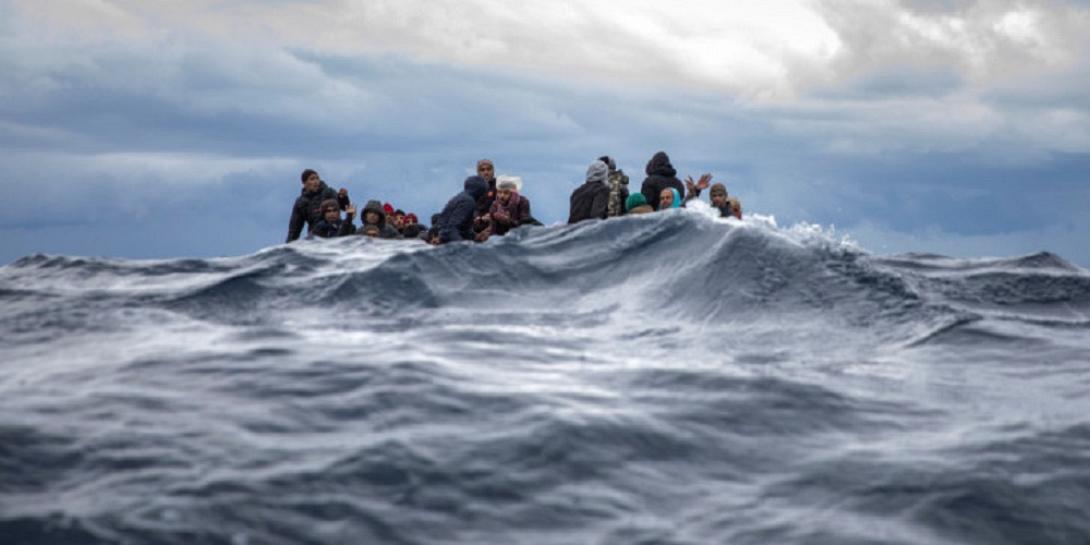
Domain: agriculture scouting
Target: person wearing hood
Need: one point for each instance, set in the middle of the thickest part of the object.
(308, 207)
(375, 214)
(456, 220)
(591, 200)
(669, 198)
(332, 225)
(618, 188)
(660, 175)
(509, 210)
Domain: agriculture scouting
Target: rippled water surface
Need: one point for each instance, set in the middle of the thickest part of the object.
(666, 379)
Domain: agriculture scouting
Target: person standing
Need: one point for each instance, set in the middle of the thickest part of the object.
(591, 200)
(307, 209)
(618, 188)
(487, 171)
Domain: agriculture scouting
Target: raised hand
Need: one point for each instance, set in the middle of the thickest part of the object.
(690, 184)
(705, 180)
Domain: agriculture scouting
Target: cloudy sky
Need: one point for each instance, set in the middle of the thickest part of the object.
(179, 128)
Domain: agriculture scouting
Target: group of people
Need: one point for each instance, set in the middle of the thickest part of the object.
(488, 206)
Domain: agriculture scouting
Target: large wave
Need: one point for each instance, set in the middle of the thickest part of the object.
(668, 378)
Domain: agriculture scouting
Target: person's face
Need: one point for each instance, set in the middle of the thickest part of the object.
(371, 217)
(312, 183)
(719, 199)
(332, 215)
(503, 195)
(486, 171)
(666, 198)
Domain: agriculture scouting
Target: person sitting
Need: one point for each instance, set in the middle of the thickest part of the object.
(332, 225)
(591, 200)
(728, 206)
(669, 198)
(456, 220)
(412, 231)
(374, 214)
(308, 207)
(660, 175)
(637, 204)
(508, 210)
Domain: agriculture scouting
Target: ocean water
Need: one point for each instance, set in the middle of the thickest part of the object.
(664, 379)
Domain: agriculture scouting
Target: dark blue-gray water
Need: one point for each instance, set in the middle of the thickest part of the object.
(666, 379)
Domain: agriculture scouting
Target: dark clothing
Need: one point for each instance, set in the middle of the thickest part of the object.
(325, 229)
(505, 218)
(484, 203)
(308, 209)
(456, 220)
(589, 201)
(728, 210)
(385, 230)
(660, 175)
(412, 231)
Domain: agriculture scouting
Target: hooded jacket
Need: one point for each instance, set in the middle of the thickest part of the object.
(308, 209)
(456, 220)
(385, 230)
(591, 200)
(660, 175)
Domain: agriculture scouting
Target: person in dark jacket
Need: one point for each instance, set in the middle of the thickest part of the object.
(375, 214)
(660, 175)
(308, 207)
(456, 220)
(412, 231)
(618, 188)
(332, 225)
(591, 200)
